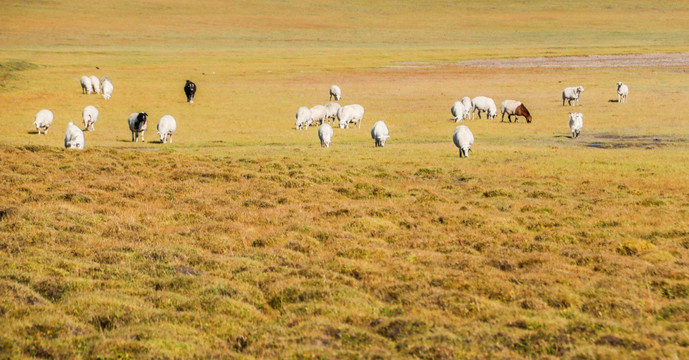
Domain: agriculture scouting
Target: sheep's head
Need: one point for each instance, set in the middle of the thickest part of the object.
(382, 139)
(580, 89)
(464, 152)
(528, 118)
(343, 124)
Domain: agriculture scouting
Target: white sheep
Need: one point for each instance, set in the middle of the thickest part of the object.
(137, 124)
(86, 86)
(350, 114)
(303, 118)
(95, 84)
(331, 110)
(622, 92)
(90, 116)
(576, 122)
(468, 107)
(463, 139)
(379, 133)
(572, 94)
(486, 104)
(335, 92)
(44, 119)
(325, 134)
(166, 126)
(74, 137)
(318, 114)
(457, 111)
(107, 89)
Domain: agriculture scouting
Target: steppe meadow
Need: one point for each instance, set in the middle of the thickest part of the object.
(244, 239)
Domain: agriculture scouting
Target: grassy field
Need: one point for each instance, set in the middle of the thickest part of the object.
(244, 239)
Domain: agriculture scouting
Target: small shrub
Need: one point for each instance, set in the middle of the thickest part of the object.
(541, 195)
(675, 311)
(496, 193)
(634, 247)
(428, 172)
(651, 202)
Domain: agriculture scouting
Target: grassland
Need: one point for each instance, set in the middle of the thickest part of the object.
(244, 239)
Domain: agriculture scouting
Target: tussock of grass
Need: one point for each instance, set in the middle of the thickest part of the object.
(175, 255)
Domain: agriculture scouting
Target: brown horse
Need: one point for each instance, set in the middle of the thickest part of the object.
(522, 111)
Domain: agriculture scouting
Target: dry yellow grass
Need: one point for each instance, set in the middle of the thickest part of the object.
(245, 239)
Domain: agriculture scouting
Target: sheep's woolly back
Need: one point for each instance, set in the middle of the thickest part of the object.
(379, 133)
(463, 139)
(335, 92)
(44, 118)
(457, 111)
(107, 89)
(74, 137)
(167, 124)
(325, 134)
(350, 114)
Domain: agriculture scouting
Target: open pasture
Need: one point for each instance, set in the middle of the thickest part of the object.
(244, 239)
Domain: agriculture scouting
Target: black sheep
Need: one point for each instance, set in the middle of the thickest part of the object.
(190, 90)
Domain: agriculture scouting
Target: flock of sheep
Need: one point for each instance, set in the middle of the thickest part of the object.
(345, 115)
(321, 115)
(461, 110)
(138, 122)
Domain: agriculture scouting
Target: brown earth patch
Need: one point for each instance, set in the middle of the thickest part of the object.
(611, 141)
(590, 61)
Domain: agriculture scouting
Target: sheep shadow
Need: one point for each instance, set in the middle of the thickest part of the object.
(32, 132)
(613, 100)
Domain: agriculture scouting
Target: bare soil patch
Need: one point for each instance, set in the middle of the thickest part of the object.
(589, 61)
(612, 141)
(636, 60)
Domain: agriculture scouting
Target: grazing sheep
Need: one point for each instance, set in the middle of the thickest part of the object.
(166, 126)
(303, 118)
(137, 124)
(44, 119)
(516, 108)
(74, 137)
(190, 90)
(572, 94)
(90, 116)
(457, 111)
(331, 110)
(486, 104)
(379, 133)
(576, 122)
(86, 86)
(622, 92)
(107, 89)
(350, 114)
(318, 114)
(463, 139)
(468, 107)
(335, 92)
(325, 134)
(95, 84)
